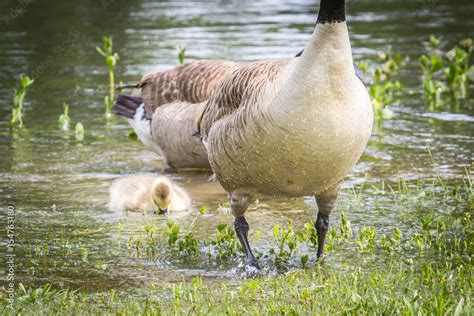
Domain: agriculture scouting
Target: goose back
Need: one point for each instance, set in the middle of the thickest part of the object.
(172, 127)
(192, 82)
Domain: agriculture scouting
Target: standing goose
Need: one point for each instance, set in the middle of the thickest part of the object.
(165, 116)
(292, 127)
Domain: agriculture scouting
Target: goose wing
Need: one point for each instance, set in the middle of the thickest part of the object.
(192, 82)
(239, 88)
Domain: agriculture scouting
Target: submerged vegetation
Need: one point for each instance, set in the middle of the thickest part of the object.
(18, 100)
(111, 59)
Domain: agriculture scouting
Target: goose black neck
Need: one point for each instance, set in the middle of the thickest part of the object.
(332, 11)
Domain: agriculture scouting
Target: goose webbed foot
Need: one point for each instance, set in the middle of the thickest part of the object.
(242, 228)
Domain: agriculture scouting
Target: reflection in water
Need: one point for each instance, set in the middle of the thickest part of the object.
(60, 186)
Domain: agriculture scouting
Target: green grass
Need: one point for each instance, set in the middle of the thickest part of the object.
(398, 288)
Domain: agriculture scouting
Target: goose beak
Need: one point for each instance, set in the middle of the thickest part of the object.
(161, 212)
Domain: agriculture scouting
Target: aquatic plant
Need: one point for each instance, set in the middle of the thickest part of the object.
(181, 52)
(111, 59)
(446, 71)
(18, 100)
(172, 232)
(392, 64)
(287, 244)
(366, 240)
(383, 92)
(384, 88)
(85, 254)
(458, 67)
(431, 66)
(432, 43)
(188, 244)
(310, 235)
(79, 131)
(363, 66)
(64, 119)
(225, 243)
(132, 134)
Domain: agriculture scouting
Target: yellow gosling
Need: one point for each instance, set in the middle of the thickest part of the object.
(147, 192)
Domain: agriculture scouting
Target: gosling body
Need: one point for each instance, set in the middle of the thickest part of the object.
(148, 192)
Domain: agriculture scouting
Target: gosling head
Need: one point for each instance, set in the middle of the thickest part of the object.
(162, 194)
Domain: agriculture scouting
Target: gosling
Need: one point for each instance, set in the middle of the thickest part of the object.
(147, 192)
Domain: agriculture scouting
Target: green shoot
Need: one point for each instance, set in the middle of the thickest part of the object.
(64, 119)
(111, 59)
(132, 134)
(18, 100)
(181, 52)
(432, 43)
(363, 66)
(79, 131)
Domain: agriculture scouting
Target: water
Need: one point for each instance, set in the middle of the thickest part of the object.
(59, 186)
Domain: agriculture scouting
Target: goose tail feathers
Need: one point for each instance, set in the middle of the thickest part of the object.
(126, 105)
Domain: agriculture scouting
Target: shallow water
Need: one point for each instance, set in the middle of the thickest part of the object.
(59, 186)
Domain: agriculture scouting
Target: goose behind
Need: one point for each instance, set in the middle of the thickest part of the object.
(166, 114)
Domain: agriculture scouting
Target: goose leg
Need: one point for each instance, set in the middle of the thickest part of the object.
(239, 205)
(322, 225)
(241, 228)
(326, 202)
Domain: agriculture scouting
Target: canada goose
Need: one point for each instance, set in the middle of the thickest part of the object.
(165, 116)
(290, 127)
(147, 192)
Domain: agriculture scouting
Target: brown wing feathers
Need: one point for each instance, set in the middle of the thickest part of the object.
(193, 83)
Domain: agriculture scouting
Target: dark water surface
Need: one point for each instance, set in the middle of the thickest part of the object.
(59, 186)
